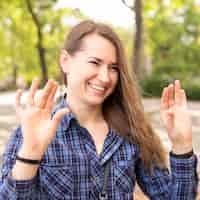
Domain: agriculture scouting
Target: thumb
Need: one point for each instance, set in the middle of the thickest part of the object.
(57, 118)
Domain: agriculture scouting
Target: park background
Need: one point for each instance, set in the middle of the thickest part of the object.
(161, 39)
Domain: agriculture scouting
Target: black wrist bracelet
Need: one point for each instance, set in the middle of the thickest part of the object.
(28, 161)
(185, 155)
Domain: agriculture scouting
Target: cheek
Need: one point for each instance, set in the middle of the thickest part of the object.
(75, 74)
(76, 79)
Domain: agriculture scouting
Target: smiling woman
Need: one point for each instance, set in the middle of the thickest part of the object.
(97, 142)
(92, 72)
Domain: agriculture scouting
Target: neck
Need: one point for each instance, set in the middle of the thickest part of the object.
(85, 114)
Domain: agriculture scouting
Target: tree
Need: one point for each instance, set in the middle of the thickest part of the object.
(36, 9)
(138, 39)
(19, 38)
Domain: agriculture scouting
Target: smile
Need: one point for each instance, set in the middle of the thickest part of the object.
(97, 87)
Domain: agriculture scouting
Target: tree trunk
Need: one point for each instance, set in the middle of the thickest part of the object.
(40, 48)
(43, 66)
(138, 40)
(14, 74)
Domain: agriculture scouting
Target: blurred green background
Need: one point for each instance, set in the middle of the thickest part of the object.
(162, 43)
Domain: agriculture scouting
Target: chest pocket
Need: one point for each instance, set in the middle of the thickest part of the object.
(124, 176)
(56, 181)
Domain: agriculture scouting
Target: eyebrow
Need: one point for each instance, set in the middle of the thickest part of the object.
(100, 60)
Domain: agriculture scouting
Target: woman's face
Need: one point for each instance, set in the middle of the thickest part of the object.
(92, 72)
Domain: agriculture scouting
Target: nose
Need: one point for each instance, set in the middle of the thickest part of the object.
(103, 74)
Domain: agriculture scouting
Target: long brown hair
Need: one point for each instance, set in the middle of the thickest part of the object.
(123, 109)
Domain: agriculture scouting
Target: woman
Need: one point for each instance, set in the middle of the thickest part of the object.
(97, 142)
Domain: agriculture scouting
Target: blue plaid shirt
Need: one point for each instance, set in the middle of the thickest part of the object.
(71, 169)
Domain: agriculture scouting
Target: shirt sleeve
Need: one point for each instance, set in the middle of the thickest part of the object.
(180, 183)
(11, 189)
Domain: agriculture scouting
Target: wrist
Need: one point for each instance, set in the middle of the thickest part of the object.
(29, 153)
(28, 161)
(181, 149)
(182, 156)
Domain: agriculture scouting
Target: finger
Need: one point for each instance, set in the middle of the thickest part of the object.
(41, 101)
(18, 106)
(164, 99)
(171, 95)
(170, 112)
(177, 93)
(183, 97)
(32, 91)
(50, 101)
(57, 118)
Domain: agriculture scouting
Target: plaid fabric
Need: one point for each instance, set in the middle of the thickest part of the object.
(71, 169)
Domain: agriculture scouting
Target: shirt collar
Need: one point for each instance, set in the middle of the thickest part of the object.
(112, 143)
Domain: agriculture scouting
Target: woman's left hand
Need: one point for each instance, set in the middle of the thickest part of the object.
(176, 118)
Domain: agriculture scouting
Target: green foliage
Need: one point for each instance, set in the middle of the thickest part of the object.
(173, 37)
(192, 89)
(19, 37)
(153, 86)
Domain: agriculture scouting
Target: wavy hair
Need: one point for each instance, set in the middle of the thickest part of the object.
(123, 109)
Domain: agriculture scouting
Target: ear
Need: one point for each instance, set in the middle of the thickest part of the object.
(63, 60)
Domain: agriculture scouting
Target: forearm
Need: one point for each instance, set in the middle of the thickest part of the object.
(182, 148)
(20, 183)
(181, 183)
(17, 186)
(184, 177)
(11, 189)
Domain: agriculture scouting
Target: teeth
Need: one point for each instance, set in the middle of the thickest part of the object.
(97, 87)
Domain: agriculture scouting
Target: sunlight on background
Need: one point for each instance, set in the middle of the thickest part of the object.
(111, 11)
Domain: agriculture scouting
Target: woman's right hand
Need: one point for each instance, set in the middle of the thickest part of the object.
(38, 127)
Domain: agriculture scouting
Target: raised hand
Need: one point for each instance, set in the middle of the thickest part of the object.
(176, 118)
(38, 128)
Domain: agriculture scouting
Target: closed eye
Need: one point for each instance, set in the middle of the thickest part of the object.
(94, 62)
(114, 68)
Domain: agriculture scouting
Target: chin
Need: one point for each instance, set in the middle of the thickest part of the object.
(95, 101)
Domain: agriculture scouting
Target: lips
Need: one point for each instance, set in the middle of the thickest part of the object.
(97, 88)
